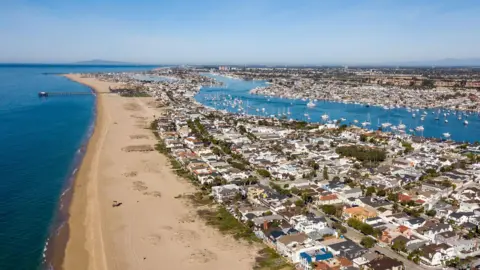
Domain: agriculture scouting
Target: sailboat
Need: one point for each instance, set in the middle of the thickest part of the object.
(366, 123)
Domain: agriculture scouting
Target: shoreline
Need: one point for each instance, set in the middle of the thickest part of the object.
(54, 249)
(71, 198)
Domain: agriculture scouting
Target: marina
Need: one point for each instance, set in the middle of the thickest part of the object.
(234, 96)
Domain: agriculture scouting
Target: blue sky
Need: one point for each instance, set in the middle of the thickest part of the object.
(246, 31)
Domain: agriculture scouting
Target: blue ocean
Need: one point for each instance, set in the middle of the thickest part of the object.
(40, 142)
(441, 124)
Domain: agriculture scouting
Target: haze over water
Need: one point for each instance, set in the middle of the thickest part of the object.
(298, 108)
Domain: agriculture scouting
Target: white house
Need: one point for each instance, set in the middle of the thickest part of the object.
(414, 223)
(434, 254)
(460, 217)
(310, 224)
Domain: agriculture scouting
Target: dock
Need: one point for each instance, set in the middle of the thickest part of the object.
(49, 94)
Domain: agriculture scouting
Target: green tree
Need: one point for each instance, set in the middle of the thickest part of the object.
(295, 190)
(408, 148)
(370, 190)
(329, 209)
(299, 203)
(368, 242)
(325, 172)
(399, 245)
(393, 197)
(339, 227)
(431, 212)
(263, 172)
(242, 129)
(381, 193)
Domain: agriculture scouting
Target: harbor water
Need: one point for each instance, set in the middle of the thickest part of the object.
(234, 97)
(40, 143)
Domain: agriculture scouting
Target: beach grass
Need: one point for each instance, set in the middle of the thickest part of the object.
(269, 259)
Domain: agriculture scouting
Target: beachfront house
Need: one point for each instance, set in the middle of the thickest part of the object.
(225, 192)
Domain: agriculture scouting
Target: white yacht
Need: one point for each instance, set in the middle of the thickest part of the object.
(386, 125)
(366, 123)
(310, 104)
(419, 128)
(465, 122)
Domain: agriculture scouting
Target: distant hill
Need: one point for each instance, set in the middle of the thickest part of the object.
(103, 62)
(447, 62)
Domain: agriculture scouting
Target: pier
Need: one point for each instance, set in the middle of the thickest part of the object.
(49, 94)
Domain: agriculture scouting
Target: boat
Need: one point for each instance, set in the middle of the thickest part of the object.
(325, 117)
(386, 125)
(422, 118)
(446, 120)
(365, 123)
(465, 122)
(310, 104)
(420, 128)
(401, 126)
(413, 115)
(446, 135)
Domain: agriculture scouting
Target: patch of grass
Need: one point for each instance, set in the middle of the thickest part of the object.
(162, 148)
(269, 259)
(200, 199)
(154, 125)
(226, 223)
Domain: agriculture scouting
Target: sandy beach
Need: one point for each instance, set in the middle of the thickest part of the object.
(150, 229)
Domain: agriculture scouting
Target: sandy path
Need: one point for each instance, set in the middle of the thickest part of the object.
(151, 229)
